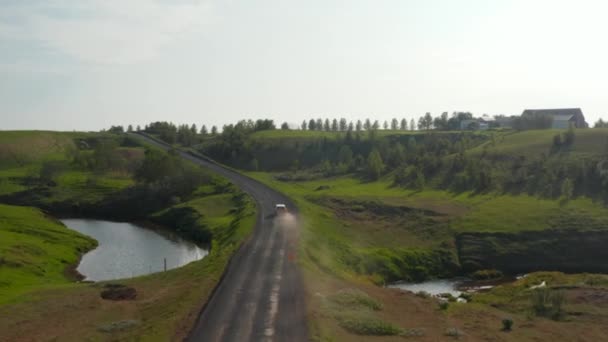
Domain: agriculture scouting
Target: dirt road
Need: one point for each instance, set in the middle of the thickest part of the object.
(261, 296)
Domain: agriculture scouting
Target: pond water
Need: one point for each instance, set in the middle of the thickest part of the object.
(126, 250)
(453, 286)
(433, 287)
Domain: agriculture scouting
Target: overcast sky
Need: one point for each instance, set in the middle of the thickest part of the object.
(89, 64)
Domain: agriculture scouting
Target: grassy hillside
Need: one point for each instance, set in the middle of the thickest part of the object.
(35, 251)
(358, 230)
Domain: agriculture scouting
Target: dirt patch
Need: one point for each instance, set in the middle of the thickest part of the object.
(374, 223)
(596, 296)
(118, 292)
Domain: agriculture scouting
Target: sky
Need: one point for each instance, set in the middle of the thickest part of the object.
(90, 64)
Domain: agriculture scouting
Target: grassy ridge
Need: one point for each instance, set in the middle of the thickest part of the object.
(35, 251)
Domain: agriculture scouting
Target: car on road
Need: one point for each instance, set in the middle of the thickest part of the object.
(280, 208)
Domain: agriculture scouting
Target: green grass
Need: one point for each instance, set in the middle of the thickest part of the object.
(355, 311)
(35, 251)
(503, 213)
(536, 142)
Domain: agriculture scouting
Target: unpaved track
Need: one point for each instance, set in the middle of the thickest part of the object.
(261, 297)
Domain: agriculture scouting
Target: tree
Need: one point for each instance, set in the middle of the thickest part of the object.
(601, 124)
(284, 126)
(385, 125)
(138, 128)
(567, 189)
(345, 155)
(130, 128)
(193, 129)
(319, 124)
(254, 165)
(359, 126)
(334, 125)
(376, 125)
(303, 125)
(214, 130)
(412, 125)
(425, 122)
(367, 125)
(394, 124)
(351, 126)
(403, 126)
(441, 122)
(343, 124)
(326, 126)
(375, 166)
(312, 125)
(260, 125)
(204, 130)
(569, 136)
(157, 165)
(116, 129)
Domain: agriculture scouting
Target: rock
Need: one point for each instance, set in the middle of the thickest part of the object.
(118, 292)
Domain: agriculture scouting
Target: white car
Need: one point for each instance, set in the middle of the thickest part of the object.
(280, 208)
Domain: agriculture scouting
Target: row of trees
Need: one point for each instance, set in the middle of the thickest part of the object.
(426, 122)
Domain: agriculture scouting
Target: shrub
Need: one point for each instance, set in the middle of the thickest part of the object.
(362, 325)
(558, 299)
(507, 324)
(444, 305)
(423, 294)
(355, 299)
(486, 274)
(548, 303)
(467, 296)
(454, 332)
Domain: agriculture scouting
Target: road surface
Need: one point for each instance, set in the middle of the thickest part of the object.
(261, 297)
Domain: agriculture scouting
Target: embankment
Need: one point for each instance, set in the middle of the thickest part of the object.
(572, 251)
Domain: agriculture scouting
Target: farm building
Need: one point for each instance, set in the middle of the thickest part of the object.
(562, 118)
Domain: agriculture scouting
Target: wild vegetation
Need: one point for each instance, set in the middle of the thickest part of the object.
(108, 176)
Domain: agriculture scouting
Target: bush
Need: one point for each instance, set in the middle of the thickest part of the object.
(423, 294)
(355, 299)
(444, 305)
(362, 325)
(454, 332)
(467, 296)
(507, 324)
(487, 274)
(548, 303)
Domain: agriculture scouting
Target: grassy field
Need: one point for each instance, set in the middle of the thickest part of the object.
(35, 251)
(534, 143)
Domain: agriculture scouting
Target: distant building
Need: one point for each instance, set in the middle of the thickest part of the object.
(502, 121)
(474, 124)
(562, 118)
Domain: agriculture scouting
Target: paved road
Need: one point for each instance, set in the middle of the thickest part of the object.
(261, 296)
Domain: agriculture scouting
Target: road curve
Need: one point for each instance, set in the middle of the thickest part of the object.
(261, 296)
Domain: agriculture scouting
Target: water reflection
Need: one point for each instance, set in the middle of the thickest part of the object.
(126, 250)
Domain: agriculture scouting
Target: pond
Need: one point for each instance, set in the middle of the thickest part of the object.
(126, 250)
(453, 286)
(433, 287)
